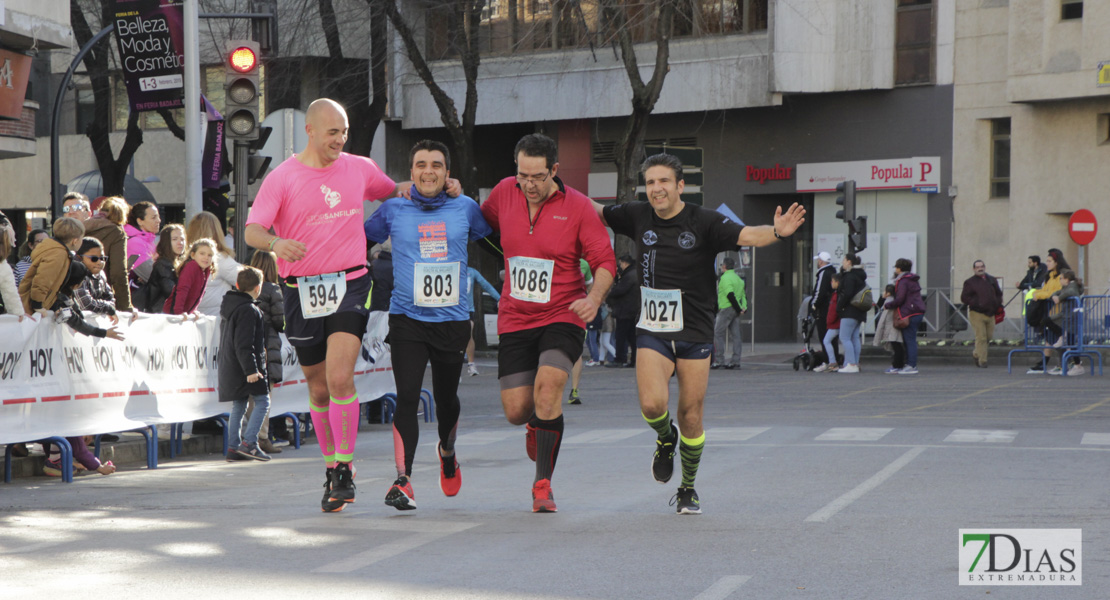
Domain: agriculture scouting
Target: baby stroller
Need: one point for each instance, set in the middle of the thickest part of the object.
(808, 357)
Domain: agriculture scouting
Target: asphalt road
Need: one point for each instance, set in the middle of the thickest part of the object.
(812, 485)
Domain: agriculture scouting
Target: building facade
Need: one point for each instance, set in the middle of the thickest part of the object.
(28, 29)
(1031, 134)
(755, 89)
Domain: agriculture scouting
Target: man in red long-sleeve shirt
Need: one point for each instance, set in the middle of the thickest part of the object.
(545, 228)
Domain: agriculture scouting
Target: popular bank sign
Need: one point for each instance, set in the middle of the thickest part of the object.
(919, 174)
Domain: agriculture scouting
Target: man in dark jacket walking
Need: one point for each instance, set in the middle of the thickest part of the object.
(624, 299)
(242, 365)
(983, 298)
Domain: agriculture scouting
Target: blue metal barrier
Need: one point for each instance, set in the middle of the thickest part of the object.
(1093, 318)
(66, 458)
(150, 433)
(1085, 326)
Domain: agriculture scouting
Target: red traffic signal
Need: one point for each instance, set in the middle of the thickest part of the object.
(243, 59)
(241, 90)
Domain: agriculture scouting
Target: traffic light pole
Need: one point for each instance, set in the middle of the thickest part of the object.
(194, 136)
(239, 194)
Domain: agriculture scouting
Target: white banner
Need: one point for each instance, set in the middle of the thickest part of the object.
(56, 382)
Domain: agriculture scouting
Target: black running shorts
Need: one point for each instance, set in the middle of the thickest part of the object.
(309, 337)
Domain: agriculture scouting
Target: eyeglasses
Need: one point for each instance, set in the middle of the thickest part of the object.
(94, 258)
(534, 179)
(75, 208)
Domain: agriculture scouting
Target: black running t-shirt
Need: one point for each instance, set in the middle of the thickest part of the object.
(677, 254)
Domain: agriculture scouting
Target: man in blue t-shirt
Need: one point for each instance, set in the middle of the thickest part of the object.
(429, 317)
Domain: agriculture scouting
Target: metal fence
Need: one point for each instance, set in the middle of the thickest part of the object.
(946, 317)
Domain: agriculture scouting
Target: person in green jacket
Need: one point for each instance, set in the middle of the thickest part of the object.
(731, 303)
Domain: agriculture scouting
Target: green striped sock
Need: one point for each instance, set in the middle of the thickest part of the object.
(661, 425)
(690, 450)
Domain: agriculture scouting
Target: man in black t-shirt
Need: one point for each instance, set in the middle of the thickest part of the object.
(676, 244)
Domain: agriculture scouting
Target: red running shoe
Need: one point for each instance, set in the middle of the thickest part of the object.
(543, 500)
(450, 475)
(400, 495)
(530, 441)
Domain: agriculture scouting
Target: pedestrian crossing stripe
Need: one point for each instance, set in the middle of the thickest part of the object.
(1096, 439)
(853, 434)
(731, 435)
(982, 435)
(603, 436)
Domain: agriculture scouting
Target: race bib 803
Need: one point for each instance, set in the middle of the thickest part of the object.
(436, 284)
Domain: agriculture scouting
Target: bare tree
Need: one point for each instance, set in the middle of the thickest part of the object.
(467, 15)
(630, 148)
(113, 169)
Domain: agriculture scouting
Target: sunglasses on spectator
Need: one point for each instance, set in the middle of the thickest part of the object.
(75, 208)
(94, 258)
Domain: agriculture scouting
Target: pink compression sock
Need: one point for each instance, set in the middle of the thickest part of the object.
(343, 414)
(321, 422)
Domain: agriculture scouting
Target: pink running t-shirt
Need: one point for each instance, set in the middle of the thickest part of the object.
(321, 208)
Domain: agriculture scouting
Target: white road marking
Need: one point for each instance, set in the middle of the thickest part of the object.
(478, 438)
(733, 434)
(840, 503)
(418, 533)
(723, 588)
(603, 436)
(995, 436)
(1096, 439)
(853, 434)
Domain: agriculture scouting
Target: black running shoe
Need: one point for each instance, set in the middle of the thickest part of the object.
(342, 484)
(662, 464)
(687, 501)
(400, 495)
(327, 504)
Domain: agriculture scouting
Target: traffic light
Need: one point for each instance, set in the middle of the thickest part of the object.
(847, 200)
(857, 235)
(241, 90)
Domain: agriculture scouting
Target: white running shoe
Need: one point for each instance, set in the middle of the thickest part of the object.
(1077, 370)
(471, 369)
(821, 368)
(849, 368)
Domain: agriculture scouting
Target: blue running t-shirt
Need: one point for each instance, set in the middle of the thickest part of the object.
(430, 280)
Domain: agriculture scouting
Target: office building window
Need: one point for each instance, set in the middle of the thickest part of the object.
(1071, 9)
(540, 25)
(1000, 158)
(914, 41)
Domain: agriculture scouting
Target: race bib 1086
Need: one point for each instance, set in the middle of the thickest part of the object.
(530, 278)
(436, 284)
(660, 310)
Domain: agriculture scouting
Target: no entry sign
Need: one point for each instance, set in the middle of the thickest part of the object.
(1082, 227)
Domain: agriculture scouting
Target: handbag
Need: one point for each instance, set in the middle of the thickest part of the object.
(900, 322)
(1000, 315)
(863, 299)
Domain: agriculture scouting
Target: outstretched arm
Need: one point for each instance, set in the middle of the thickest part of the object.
(785, 226)
(599, 209)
